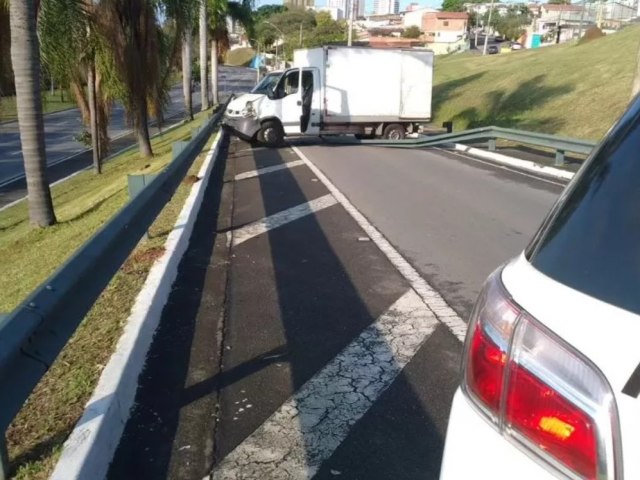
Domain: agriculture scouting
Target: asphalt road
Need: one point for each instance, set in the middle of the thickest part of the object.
(62, 127)
(455, 219)
(291, 345)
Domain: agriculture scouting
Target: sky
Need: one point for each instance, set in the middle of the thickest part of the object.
(368, 4)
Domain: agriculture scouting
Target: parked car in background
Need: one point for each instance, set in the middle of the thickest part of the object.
(551, 368)
(493, 49)
(516, 46)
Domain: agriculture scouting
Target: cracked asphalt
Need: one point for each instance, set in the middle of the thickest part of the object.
(291, 347)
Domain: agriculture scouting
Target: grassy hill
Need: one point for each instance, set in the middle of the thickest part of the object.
(572, 90)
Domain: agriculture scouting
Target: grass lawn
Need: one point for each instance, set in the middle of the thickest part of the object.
(50, 104)
(240, 57)
(571, 90)
(83, 204)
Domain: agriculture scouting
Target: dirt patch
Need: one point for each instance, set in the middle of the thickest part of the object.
(190, 179)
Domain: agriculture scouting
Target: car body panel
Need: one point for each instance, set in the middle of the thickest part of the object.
(476, 450)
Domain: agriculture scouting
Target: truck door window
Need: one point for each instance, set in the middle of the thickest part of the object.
(288, 84)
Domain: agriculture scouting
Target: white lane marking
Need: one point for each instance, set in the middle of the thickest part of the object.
(307, 428)
(262, 171)
(281, 218)
(501, 167)
(431, 297)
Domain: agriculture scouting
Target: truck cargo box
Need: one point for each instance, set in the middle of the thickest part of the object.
(363, 84)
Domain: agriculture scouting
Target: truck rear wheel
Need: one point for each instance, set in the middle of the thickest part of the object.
(271, 134)
(394, 131)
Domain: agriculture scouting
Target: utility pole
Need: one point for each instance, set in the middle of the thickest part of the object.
(300, 34)
(486, 35)
(584, 7)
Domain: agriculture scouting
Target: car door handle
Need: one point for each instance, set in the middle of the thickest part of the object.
(299, 103)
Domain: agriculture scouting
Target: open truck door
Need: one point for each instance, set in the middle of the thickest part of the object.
(299, 92)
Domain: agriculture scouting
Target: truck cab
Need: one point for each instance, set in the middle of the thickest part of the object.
(291, 108)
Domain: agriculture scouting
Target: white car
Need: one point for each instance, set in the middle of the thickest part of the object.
(551, 368)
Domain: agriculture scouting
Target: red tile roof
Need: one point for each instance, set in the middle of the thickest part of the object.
(450, 15)
(551, 7)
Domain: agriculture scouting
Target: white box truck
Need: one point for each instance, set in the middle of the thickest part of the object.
(340, 90)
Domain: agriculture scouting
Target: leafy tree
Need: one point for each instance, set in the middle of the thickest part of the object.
(559, 2)
(513, 24)
(25, 57)
(453, 5)
(412, 32)
(266, 11)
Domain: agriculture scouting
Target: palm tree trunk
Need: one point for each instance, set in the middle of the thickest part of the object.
(25, 56)
(186, 72)
(93, 118)
(204, 91)
(142, 130)
(214, 71)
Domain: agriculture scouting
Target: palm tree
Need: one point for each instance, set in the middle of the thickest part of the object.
(131, 29)
(202, 25)
(25, 57)
(183, 14)
(219, 11)
(69, 49)
(187, 60)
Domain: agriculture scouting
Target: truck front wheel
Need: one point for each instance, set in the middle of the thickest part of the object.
(394, 131)
(271, 134)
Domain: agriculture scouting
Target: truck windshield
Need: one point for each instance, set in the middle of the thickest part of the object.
(267, 83)
(590, 240)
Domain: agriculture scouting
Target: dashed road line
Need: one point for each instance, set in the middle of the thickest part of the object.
(262, 171)
(431, 297)
(281, 218)
(311, 425)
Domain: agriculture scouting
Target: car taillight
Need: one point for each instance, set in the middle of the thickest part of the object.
(538, 391)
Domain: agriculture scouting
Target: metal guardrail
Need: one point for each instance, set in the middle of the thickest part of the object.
(32, 336)
(561, 145)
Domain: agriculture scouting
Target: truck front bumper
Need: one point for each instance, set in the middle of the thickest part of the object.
(244, 127)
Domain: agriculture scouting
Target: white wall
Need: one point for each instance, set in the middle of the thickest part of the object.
(414, 18)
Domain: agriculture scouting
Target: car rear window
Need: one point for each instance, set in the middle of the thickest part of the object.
(591, 239)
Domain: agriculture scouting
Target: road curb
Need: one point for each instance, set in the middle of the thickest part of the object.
(516, 162)
(89, 449)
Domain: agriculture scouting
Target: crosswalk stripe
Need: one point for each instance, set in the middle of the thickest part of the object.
(309, 427)
(262, 171)
(281, 218)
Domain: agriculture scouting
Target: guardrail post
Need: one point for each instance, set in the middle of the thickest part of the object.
(178, 147)
(492, 144)
(560, 158)
(4, 460)
(448, 126)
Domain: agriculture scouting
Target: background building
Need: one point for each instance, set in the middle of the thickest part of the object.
(348, 7)
(413, 18)
(299, 3)
(386, 7)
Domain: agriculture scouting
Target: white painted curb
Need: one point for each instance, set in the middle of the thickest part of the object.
(89, 450)
(516, 162)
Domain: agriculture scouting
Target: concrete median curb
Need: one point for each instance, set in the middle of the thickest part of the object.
(89, 449)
